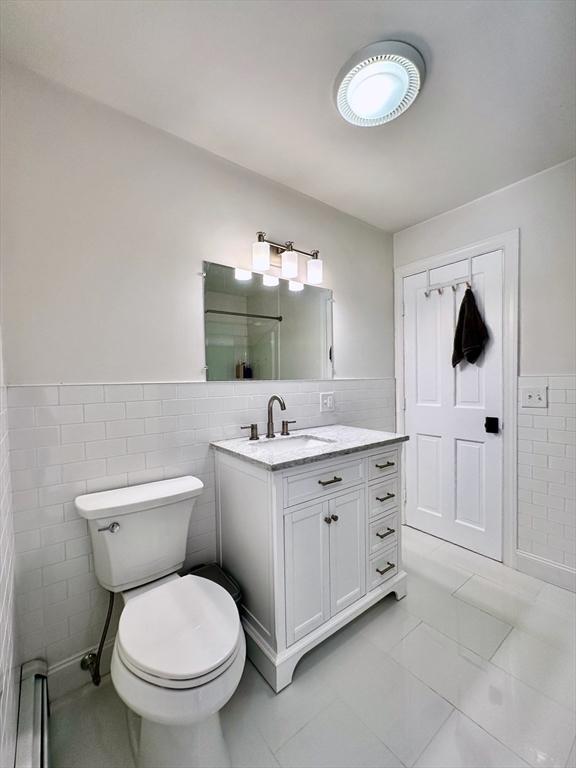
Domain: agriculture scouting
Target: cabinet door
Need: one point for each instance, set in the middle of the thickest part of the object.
(306, 542)
(347, 549)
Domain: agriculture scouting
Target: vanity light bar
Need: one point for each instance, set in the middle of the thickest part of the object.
(289, 253)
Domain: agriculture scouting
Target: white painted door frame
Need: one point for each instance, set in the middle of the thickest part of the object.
(508, 243)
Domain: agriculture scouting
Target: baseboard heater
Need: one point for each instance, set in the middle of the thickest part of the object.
(32, 738)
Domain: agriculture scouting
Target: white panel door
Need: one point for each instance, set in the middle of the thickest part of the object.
(347, 549)
(453, 466)
(307, 569)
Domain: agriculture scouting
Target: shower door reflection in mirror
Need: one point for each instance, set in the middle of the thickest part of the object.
(254, 331)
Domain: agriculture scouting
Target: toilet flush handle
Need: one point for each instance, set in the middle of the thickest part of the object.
(112, 528)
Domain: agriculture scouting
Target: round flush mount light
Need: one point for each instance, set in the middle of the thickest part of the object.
(379, 83)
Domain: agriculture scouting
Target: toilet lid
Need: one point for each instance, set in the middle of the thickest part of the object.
(183, 629)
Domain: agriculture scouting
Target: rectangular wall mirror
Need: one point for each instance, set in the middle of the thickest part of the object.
(254, 331)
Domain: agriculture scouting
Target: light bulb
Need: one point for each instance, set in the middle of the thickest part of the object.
(289, 264)
(295, 286)
(260, 256)
(270, 281)
(314, 271)
(242, 274)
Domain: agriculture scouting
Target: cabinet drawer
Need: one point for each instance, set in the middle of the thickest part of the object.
(385, 463)
(383, 497)
(382, 567)
(382, 533)
(321, 482)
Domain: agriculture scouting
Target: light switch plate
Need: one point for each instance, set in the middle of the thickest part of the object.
(534, 397)
(326, 401)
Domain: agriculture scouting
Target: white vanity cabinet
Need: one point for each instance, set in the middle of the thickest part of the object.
(325, 560)
(312, 545)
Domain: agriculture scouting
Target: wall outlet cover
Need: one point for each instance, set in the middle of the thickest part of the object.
(534, 397)
(326, 401)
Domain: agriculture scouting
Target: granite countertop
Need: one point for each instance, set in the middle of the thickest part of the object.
(295, 449)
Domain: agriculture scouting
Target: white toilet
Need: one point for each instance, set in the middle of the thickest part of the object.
(180, 649)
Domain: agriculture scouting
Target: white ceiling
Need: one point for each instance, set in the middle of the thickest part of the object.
(252, 81)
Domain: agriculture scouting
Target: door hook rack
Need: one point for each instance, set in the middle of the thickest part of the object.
(467, 281)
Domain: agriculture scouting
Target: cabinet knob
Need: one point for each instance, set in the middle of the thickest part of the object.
(328, 520)
(334, 517)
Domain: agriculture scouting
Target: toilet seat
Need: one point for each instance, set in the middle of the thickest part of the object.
(176, 684)
(181, 634)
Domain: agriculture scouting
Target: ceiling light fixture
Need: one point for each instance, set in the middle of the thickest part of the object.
(379, 83)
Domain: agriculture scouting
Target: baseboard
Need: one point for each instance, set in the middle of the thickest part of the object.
(67, 676)
(554, 573)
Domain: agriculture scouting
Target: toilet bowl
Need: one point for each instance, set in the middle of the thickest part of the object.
(178, 658)
(180, 649)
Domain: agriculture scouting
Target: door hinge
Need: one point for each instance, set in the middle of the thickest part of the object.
(404, 403)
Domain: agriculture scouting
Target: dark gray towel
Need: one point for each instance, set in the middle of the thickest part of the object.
(471, 333)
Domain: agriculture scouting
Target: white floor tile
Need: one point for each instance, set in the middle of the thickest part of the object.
(546, 620)
(540, 665)
(279, 716)
(336, 738)
(533, 726)
(466, 624)
(88, 730)
(437, 571)
(571, 762)
(488, 568)
(561, 598)
(460, 743)
(247, 746)
(417, 541)
(395, 705)
(386, 623)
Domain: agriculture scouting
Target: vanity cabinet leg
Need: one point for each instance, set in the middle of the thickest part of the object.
(284, 673)
(277, 677)
(400, 590)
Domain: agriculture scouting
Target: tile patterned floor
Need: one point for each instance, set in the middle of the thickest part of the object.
(475, 668)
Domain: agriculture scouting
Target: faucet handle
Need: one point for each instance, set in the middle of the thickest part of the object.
(253, 431)
(285, 426)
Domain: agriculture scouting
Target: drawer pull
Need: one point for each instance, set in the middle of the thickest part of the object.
(335, 479)
(384, 466)
(388, 532)
(389, 567)
(385, 498)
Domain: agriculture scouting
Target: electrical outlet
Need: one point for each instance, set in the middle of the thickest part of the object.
(326, 401)
(534, 397)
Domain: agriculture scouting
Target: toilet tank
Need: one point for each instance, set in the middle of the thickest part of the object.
(139, 533)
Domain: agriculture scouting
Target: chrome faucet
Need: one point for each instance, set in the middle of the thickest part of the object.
(270, 425)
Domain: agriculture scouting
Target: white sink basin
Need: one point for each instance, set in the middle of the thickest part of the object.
(292, 445)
